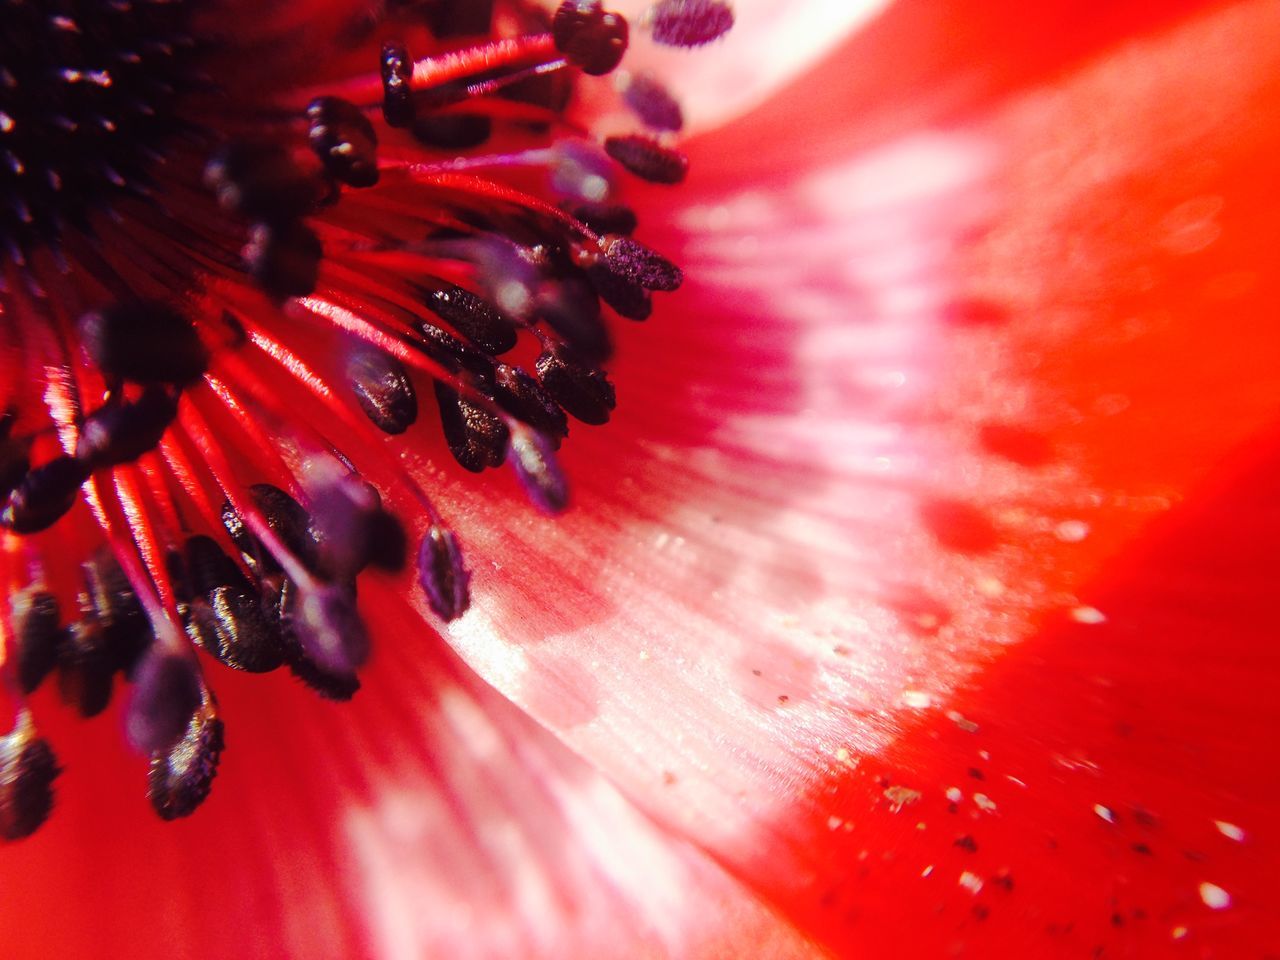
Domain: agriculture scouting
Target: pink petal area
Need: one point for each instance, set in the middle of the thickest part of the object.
(770, 45)
(916, 400)
(426, 818)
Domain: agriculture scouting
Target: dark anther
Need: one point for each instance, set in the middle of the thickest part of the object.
(454, 355)
(37, 635)
(283, 258)
(145, 341)
(122, 431)
(443, 575)
(582, 390)
(27, 771)
(605, 217)
(326, 625)
(539, 473)
(690, 23)
(476, 438)
(230, 624)
(638, 263)
(15, 461)
(260, 181)
(166, 693)
(651, 102)
(452, 131)
(330, 685)
(571, 307)
(344, 140)
(648, 159)
(397, 88)
(208, 566)
(179, 778)
(627, 297)
(287, 519)
(44, 495)
(523, 397)
(383, 389)
(590, 37)
(85, 668)
(473, 317)
(109, 600)
(352, 530)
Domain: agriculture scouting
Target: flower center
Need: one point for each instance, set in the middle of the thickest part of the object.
(88, 95)
(233, 358)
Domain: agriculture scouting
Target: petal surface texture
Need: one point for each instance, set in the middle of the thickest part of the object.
(958, 340)
(916, 602)
(426, 818)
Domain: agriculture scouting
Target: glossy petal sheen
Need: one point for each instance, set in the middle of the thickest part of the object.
(425, 818)
(897, 461)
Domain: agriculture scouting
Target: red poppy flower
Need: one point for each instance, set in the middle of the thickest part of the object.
(914, 602)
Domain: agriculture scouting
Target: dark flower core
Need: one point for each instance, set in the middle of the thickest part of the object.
(236, 264)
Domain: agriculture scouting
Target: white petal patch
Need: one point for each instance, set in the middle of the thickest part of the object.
(770, 44)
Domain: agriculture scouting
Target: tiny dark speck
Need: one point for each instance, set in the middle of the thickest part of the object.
(967, 843)
(976, 773)
(1144, 817)
(1117, 920)
(755, 673)
(783, 698)
(981, 912)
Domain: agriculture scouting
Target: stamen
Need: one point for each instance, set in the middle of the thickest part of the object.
(167, 691)
(44, 495)
(261, 181)
(583, 391)
(523, 397)
(648, 159)
(397, 80)
(144, 341)
(283, 258)
(539, 473)
(344, 140)
(651, 102)
(37, 635)
(27, 771)
(689, 23)
(638, 263)
(442, 574)
(591, 38)
(179, 778)
(383, 389)
(287, 520)
(224, 614)
(476, 437)
(472, 317)
(327, 627)
(272, 227)
(122, 431)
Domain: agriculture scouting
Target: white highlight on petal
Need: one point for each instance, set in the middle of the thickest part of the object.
(770, 44)
(1230, 830)
(1214, 897)
(1088, 615)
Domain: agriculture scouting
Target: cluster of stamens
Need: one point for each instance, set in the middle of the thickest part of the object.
(228, 301)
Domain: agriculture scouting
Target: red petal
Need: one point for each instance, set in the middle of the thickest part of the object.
(919, 399)
(425, 818)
